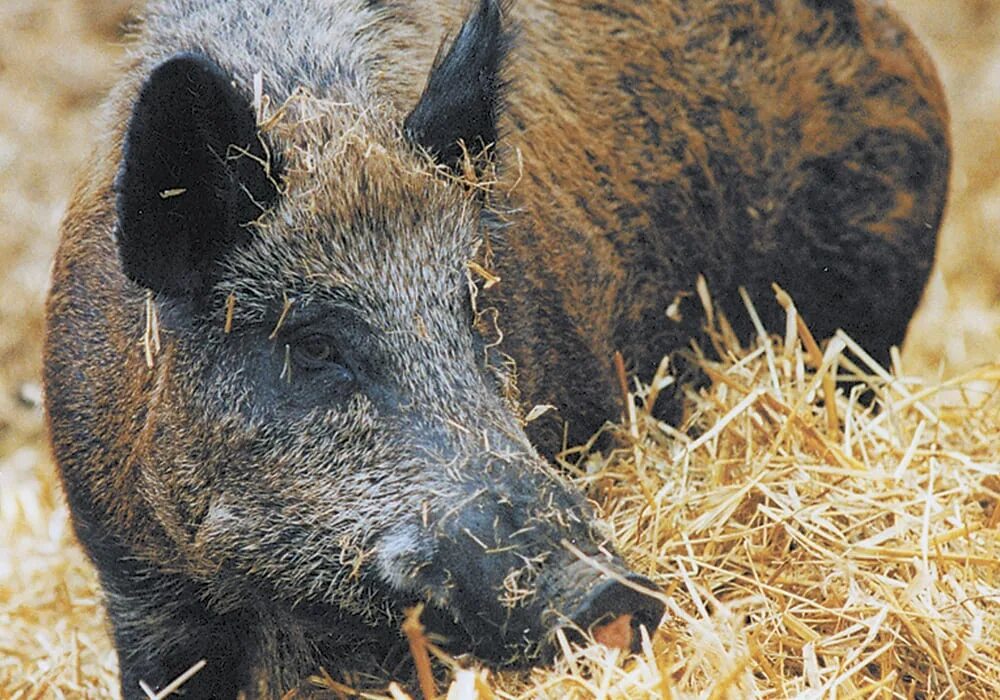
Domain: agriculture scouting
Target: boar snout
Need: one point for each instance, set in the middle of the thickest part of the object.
(511, 616)
(608, 601)
(501, 566)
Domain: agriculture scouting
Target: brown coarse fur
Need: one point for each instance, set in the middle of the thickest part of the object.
(750, 142)
(237, 512)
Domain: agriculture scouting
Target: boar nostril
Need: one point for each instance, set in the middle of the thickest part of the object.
(614, 610)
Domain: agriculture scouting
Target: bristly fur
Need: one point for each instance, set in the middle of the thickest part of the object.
(461, 105)
(323, 434)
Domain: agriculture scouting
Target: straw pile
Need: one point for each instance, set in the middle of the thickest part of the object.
(808, 545)
(53, 640)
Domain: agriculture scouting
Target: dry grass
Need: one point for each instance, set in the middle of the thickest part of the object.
(53, 640)
(800, 557)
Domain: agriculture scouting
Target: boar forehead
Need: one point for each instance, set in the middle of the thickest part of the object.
(364, 219)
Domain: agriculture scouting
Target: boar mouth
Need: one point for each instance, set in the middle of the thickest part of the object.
(609, 609)
(496, 644)
(610, 605)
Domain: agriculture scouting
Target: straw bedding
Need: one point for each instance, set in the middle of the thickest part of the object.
(809, 544)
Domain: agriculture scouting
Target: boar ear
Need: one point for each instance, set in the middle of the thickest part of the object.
(461, 101)
(192, 176)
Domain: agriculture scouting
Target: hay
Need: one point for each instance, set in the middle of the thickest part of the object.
(798, 557)
(53, 640)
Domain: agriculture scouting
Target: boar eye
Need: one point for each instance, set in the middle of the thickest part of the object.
(315, 351)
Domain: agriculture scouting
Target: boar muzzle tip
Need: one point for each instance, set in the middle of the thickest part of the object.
(614, 609)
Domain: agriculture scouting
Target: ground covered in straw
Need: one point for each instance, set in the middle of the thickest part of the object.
(804, 551)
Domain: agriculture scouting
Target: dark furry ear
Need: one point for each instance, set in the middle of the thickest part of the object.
(461, 102)
(192, 175)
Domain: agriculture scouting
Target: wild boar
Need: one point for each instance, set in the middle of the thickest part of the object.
(331, 253)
